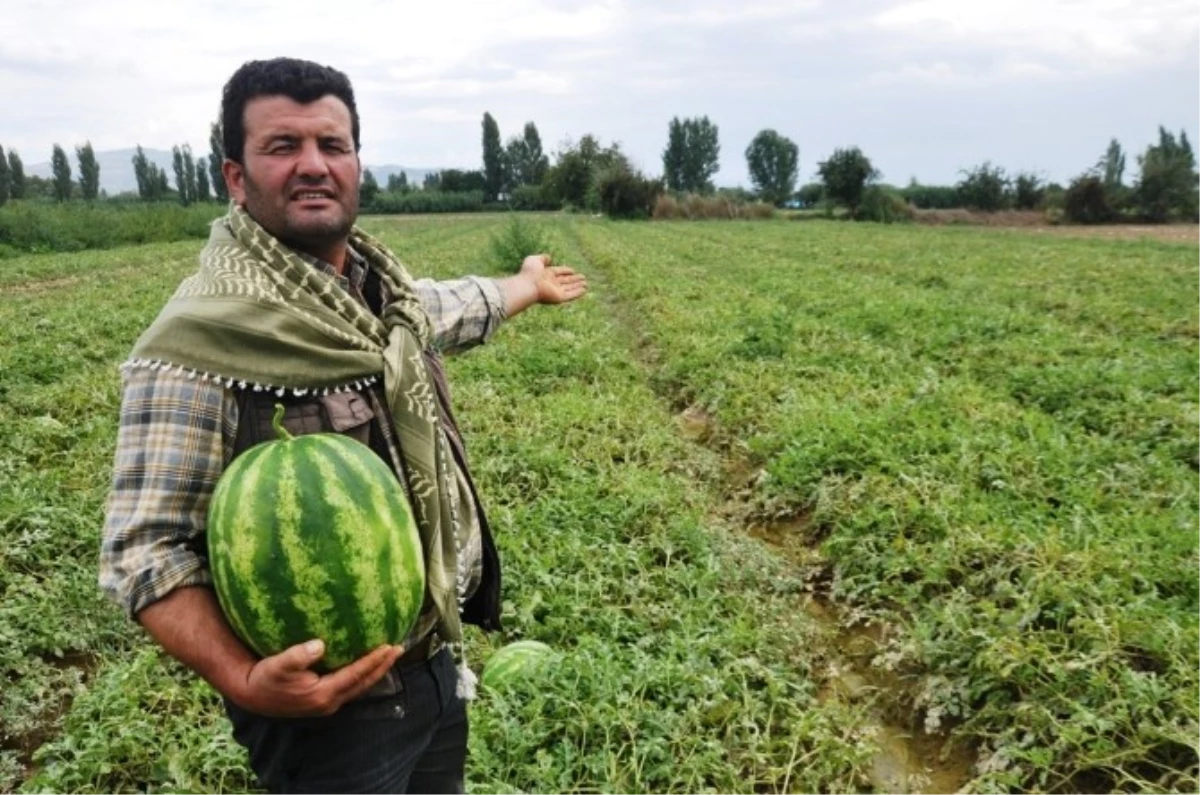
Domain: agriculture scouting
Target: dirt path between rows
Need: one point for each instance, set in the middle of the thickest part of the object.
(907, 758)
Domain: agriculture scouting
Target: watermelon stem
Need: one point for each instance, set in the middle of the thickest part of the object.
(277, 424)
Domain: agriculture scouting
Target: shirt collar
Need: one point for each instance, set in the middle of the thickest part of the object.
(354, 275)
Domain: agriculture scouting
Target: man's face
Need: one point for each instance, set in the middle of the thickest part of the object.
(300, 172)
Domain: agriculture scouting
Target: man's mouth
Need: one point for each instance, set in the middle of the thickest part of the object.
(311, 195)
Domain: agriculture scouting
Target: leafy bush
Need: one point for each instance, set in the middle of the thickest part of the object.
(1086, 201)
(884, 205)
(931, 197)
(626, 194)
(518, 240)
(845, 176)
(34, 227)
(984, 187)
(1028, 192)
(810, 195)
(426, 201)
(530, 197)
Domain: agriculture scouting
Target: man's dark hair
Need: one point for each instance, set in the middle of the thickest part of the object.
(302, 81)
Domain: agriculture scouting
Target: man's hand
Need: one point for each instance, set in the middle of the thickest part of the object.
(284, 686)
(539, 282)
(189, 624)
(555, 284)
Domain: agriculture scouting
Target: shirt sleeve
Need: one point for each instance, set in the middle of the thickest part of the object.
(173, 443)
(464, 312)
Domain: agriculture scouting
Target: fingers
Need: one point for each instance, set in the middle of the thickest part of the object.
(351, 681)
(300, 657)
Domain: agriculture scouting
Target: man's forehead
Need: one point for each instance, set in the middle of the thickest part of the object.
(269, 114)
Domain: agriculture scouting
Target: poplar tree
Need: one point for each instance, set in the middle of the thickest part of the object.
(61, 167)
(16, 175)
(493, 159)
(89, 171)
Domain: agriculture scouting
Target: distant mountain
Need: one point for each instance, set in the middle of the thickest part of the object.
(116, 169)
(415, 175)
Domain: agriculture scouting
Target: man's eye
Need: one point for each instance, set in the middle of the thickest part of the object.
(279, 148)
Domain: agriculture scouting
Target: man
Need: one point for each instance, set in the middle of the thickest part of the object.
(293, 304)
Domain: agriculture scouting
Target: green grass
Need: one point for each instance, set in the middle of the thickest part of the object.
(40, 227)
(993, 441)
(988, 442)
(683, 668)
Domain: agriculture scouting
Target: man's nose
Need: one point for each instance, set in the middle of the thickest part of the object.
(312, 161)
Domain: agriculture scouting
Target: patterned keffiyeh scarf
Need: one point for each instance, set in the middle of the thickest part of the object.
(257, 316)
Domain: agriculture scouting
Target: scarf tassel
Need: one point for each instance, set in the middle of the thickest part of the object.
(230, 382)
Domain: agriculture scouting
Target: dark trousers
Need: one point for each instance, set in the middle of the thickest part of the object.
(414, 741)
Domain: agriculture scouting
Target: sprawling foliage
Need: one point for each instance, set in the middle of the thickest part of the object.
(991, 442)
(977, 450)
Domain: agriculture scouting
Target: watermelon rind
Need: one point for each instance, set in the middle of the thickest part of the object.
(313, 537)
(514, 662)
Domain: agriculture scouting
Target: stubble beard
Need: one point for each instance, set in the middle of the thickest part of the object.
(311, 235)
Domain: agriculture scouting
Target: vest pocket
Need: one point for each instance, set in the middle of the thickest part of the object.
(346, 413)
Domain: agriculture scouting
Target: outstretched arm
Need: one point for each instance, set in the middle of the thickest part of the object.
(466, 312)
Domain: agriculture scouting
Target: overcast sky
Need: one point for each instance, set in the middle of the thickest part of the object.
(925, 87)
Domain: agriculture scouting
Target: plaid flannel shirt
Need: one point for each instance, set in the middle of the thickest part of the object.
(176, 437)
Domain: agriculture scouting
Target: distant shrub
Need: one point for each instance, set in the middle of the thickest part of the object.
(694, 207)
(426, 201)
(33, 226)
(530, 197)
(1087, 202)
(810, 195)
(931, 197)
(626, 194)
(884, 205)
(984, 187)
(519, 239)
(1029, 193)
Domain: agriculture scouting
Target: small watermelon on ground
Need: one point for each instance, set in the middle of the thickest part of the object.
(312, 537)
(515, 661)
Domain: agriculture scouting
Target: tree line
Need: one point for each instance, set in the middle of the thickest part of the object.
(16, 184)
(590, 175)
(1165, 188)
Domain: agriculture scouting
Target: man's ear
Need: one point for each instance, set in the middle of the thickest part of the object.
(235, 181)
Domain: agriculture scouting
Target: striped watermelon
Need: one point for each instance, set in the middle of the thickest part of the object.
(515, 661)
(312, 537)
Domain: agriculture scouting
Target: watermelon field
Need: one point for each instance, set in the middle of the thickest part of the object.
(800, 506)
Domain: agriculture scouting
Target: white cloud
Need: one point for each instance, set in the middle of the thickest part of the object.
(1093, 36)
(144, 71)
